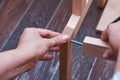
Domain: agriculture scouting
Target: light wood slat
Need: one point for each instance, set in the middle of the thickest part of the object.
(111, 13)
(71, 30)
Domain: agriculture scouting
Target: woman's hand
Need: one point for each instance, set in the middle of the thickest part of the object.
(39, 41)
(112, 35)
(33, 45)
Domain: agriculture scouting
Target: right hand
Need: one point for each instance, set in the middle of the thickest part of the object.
(112, 35)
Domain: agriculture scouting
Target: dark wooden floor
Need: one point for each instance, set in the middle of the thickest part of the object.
(15, 15)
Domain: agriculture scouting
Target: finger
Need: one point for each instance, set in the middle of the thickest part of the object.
(46, 57)
(104, 35)
(56, 41)
(47, 33)
(55, 49)
(109, 54)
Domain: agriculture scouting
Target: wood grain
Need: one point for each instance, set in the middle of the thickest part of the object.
(11, 13)
(102, 70)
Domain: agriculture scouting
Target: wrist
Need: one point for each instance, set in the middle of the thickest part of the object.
(28, 53)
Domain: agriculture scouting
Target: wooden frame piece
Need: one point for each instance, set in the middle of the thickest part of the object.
(72, 27)
(95, 47)
(111, 13)
(102, 3)
(78, 7)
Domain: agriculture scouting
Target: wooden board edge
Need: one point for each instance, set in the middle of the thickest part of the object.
(95, 47)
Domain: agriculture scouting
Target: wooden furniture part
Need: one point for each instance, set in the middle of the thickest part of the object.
(111, 12)
(95, 47)
(80, 8)
(102, 3)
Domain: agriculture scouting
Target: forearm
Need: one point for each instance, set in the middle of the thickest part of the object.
(12, 59)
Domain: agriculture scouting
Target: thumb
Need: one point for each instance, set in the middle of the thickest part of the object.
(56, 41)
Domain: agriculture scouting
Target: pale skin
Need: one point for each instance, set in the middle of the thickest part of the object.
(33, 45)
(112, 35)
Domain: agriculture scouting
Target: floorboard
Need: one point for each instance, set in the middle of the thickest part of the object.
(11, 13)
(53, 15)
(104, 70)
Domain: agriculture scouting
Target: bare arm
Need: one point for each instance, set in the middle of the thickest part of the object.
(112, 35)
(33, 45)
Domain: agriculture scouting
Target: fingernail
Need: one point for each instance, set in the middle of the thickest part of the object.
(65, 38)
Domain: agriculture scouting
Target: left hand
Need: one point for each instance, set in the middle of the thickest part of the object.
(37, 42)
(34, 44)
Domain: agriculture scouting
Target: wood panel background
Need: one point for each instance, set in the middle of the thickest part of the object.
(16, 15)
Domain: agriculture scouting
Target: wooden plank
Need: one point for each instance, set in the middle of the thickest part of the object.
(71, 30)
(66, 50)
(78, 6)
(76, 28)
(11, 13)
(102, 3)
(95, 47)
(111, 12)
(66, 61)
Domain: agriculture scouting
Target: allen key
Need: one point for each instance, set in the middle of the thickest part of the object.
(76, 42)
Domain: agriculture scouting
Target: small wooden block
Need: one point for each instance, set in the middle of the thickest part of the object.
(95, 47)
(111, 13)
